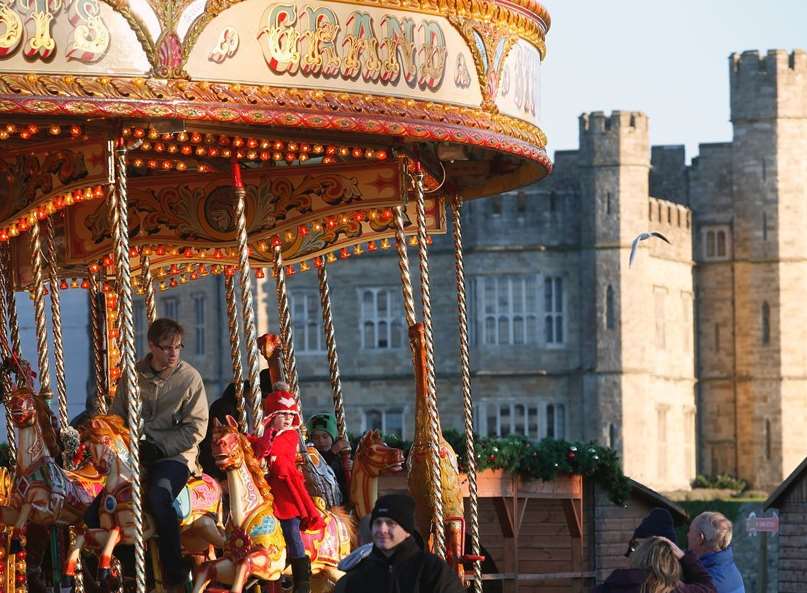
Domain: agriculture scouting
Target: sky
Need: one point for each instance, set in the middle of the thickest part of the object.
(666, 59)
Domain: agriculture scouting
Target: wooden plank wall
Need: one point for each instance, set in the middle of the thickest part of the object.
(792, 535)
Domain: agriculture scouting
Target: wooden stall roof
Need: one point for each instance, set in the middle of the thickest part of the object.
(638, 489)
(776, 497)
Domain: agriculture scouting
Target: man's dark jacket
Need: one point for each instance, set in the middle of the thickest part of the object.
(630, 580)
(408, 570)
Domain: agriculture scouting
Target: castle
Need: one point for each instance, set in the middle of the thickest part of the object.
(692, 359)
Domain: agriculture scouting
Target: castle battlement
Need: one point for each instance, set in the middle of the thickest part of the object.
(620, 137)
(674, 221)
(768, 85)
(599, 122)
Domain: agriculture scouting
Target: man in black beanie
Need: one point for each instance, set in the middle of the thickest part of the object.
(397, 560)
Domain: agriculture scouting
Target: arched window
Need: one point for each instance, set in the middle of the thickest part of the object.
(610, 313)
(766, 323)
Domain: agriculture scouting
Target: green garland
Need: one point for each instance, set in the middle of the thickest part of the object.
(544, 460)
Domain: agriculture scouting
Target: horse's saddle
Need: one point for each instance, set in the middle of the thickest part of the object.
(201, 494)
(320, 481)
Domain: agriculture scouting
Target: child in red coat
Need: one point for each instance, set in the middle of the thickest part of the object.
(292, 503)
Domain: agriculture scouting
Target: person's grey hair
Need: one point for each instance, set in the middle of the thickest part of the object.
(716, 529)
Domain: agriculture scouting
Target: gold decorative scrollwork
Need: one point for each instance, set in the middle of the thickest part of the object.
(11, 23)
(89, 40)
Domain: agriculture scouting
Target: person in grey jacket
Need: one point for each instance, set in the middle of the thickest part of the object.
(174, 418)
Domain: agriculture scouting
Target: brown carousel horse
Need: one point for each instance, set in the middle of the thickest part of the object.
(43, 493)
(198, 504)
(255, 544)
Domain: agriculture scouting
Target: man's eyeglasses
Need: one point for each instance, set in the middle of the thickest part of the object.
(172, 348)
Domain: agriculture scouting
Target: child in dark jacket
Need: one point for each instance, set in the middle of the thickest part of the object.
(323, 433)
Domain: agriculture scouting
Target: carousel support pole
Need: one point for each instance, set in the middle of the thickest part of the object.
(98, 325)
(248, 312)
(465, 376)
(5, 352)
(148, 285)
(403, 266)
(235, 350)
(284, 316)
(39, 313)
(333, 364)
(56, 324)
(120, 232)
(431, 383)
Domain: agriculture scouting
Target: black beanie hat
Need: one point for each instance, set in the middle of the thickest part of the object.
(398, 507)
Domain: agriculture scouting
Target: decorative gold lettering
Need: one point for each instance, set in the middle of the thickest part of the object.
(362, 48)
(399, 42)
(321, 56)
(11, 23)
(89, 39)
(279, 39)
(462, 76)
(41, 13)
(433, 55)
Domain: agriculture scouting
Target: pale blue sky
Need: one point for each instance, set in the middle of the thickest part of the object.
(667, 59)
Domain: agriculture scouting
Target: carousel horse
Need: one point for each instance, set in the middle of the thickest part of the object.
(198, 504)
(374, 458)
(43, 493)
(255, 544)
(420, 475)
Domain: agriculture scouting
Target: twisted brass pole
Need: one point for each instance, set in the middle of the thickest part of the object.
(5, 351)
(248, 313)
(235, 351)
(431, 384)
(56, 324)
(148, 284)
(465, 374)
(97, 326)
(129, 373)
(286, 332)
(333, 357)
(403, 266)
(39, 313)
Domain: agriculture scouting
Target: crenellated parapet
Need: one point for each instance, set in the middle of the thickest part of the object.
(619, 138)
(768, 85)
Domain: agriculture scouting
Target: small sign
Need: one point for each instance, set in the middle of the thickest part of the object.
(756, 524)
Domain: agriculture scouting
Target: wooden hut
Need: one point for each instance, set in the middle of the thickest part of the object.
(790, 500)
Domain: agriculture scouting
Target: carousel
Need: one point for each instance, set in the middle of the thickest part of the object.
(148, 144)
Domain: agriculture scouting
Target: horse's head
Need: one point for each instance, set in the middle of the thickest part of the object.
(106, 438)
(227, 449)
(376, 456)
(22, 407)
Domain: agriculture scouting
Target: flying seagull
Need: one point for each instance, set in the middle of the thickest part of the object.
(643, 237)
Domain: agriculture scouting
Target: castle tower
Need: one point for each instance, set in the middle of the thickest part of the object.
(638, 361)
(767, 250)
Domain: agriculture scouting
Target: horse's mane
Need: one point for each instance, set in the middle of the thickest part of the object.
(254, 466)
(108, 425)
(47, 425)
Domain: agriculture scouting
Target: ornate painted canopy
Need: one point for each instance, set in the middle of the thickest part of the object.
(314, 97)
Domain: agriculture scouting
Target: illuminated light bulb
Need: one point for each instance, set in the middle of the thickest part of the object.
(173, 269)
(94, 267)
(331, 258)
(229, 271)
(318, 149)
(194, 276)
(25, 134)
(369, 153)
(276, 242)
(175, 251)
(252, 155)
(358, 250)
(328, 160)
(152, 164)
(290, 156)
(239, 154)
(188, 252)
(210, 139)
(160, 250)
(126, 132)
(74, 283)
(303, 157)
(4, 135)
(203, 270)
(173, 282)
(371, 246)
(85, 283)
(183, 279)
(413, 240)
(216, 269)
(318, 262)
(344, 253)
(200, 151)
(203, 168)
(196, 137)
(133, 252)
(226, 153)
(218, 254)
(358, 216)
(260, 274)
(98, 191)
(153, 134)
(224, 140)
(181, 166)
(238, 142)
(186, 149)
(33, 129)
(304, 266)
(381, 155)
(428, 240)
(4, 235)
(172, 149)
(159, 147)
(55, 130)
(277, 156)
(290, 271)
(146, 146)
(252, 143)
(343, 219)
(163, 286)
(213, 151)
(138, 163)
(292, 146)
(167, 165)
(344, 151)
(63, 284)
(357, 153)
(265, 155)
(265, 144)
(278, 145)
(182, 137)
(147, 250)
(302, 230)
(11, 128)
(316, 227)
(305, 148)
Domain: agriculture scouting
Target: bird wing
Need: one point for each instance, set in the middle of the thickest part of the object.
(633, 247)
(660, 236)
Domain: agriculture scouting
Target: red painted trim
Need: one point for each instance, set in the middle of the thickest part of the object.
(235, 167)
